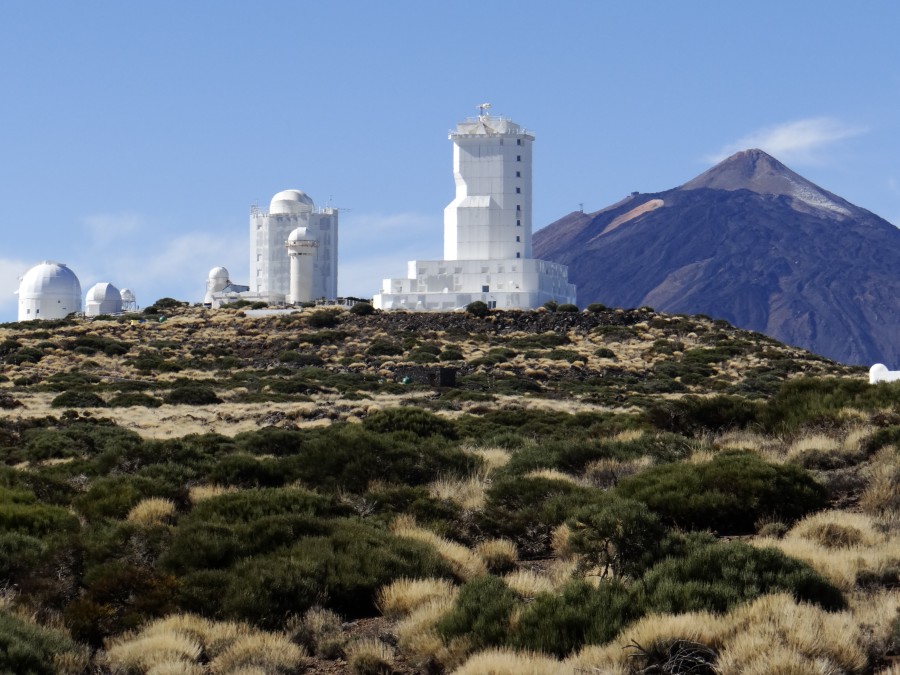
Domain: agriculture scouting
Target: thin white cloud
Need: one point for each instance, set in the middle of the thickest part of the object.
(377, 246)
(801, 141)
(110, 227)
(10, 272)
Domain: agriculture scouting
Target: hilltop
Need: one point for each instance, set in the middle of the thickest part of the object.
(608, 490)
(749, 241)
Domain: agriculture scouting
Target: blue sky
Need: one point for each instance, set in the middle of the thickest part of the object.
(134, 137)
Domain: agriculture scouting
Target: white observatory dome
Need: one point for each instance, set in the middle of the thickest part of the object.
(217, 273)
(300, 234)
(291, 202)
(103, 298)
(49, 291)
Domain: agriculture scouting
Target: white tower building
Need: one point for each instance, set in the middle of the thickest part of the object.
(103, 298)
(302, 249)
(269, 230)
(487, 230)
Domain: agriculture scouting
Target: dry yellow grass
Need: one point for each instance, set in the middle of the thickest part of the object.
(775, 631)
(198, 493)
(561, 542)
(607, 472)
(177, 668)
(840, 545)
(553, 474)
(418, 640)
(498, 554)
(140, 653)
(528, 583)
(368, 656)
(403, 596)
(272, 652)
(464, 562)
(493, 458)
(882, 493)
(152, 511)
(509, 662)
(469, 492)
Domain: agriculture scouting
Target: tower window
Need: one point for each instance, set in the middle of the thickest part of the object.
(518, 174)
(518, 190)
(518, 207)
(518, 223)
(518, 158)
(485, 289)
(518, 238)
(518, 141)
(518, 255)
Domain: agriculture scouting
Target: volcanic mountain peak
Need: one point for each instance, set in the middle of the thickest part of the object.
(759, 172)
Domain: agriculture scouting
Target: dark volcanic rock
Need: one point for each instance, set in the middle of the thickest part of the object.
(752, 242)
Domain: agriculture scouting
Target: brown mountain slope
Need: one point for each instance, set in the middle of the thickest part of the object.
(752, 242)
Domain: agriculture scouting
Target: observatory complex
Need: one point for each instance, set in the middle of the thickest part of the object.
(293, 255)
(50, 290)
(487, 231)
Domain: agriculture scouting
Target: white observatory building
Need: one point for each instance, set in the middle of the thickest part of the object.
(103, 298)
(49, 290)
(273, 252)
(487, 231)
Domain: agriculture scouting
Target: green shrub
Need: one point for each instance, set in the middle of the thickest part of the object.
(28, 649)
(300, 358)
(551, 305)
(25, 355)
(134, 398)
(415, 420)
(567, 307)
(716, 577)
(596, 307)
(78, 399)
(481, 613)
(605, 353)
(346, 567)
(478, 309)
(192, 394)
(382, 347)
(362, 309)
(618, 536)
(692, 415)
(581, 614)
(729, 494)
(323, 318)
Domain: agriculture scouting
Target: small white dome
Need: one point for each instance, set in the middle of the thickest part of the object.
(103, 292)
(49, 290)
(127, 295)
(300, 234)
(103, 298)
(218, 273)
(291, 202)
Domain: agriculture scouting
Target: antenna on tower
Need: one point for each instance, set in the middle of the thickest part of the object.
(483, 109)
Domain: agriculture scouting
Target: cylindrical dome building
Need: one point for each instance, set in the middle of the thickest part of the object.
(302, 248)
(103, 298)
(49, 290)
(216, 281)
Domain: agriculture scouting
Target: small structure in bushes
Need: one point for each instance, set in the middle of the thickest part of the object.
(435, 376)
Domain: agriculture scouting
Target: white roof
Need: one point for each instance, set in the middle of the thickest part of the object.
(300, 234)
(291, 202)
(218, 273)
(50, 279)
(103, 292)
(127, 295)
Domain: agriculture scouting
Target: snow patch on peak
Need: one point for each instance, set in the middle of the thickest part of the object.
(815, 198)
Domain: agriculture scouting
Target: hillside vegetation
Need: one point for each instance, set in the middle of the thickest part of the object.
(606, 491)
